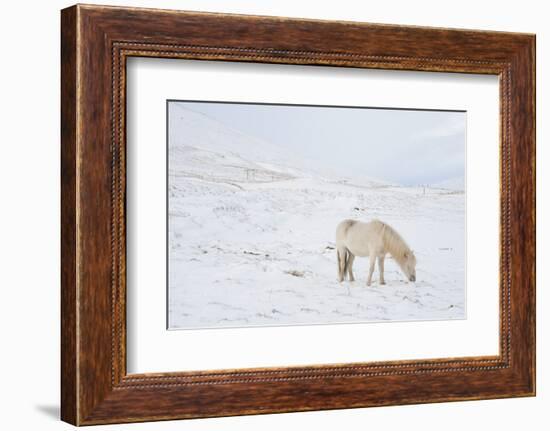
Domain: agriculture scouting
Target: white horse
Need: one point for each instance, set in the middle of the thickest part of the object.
(374, 239)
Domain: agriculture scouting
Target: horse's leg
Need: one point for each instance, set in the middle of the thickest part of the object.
(341, 255)
(372, 259)
(351, 257)
(381, 268)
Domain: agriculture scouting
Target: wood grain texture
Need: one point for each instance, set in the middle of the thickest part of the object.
(69, 331)
(96, 41)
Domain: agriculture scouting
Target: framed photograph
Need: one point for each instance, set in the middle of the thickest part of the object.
(264, 214)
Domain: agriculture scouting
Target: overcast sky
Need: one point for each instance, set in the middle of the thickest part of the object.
(400, 146)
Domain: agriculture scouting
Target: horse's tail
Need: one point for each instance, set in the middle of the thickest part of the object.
(339, 265)
(343, 262)
(343, 252)
(346, 261)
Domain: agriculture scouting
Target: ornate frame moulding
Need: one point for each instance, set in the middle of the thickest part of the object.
(96, 42)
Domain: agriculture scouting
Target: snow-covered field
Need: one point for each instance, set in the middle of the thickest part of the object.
(251, 237)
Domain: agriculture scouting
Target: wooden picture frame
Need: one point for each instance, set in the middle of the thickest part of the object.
(95, 43)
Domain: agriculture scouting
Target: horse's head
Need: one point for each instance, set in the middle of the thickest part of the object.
(409, 265)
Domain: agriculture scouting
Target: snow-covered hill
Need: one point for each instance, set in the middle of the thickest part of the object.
(198, 142)
(456, 184)
(251, 237)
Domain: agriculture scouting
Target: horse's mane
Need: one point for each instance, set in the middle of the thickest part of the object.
(394, 243)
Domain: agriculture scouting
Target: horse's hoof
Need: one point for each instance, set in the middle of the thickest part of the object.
(382, 282)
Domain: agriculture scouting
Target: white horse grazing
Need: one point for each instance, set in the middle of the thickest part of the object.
(374, 239)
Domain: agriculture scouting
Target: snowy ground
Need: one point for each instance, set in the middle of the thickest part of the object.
(251, 237)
